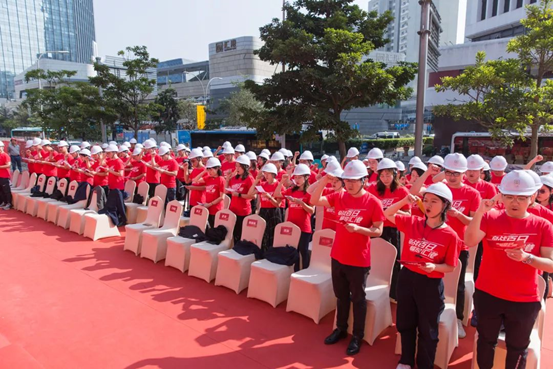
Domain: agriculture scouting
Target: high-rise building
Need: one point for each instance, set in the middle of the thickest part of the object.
(29, 28)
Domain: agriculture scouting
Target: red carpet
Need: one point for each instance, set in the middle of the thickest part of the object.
(68, 302)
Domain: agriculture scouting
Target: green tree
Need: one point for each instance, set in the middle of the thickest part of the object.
(234, 106)
(128, 94)
(513, 94)
(188, 114)
(322, 44)
(167, 112)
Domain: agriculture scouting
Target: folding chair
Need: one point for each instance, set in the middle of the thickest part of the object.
(42, 211)
(142, 211)
(133, 232)
(132, 208)
(154, 241)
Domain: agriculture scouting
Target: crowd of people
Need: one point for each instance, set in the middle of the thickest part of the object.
(446, 209)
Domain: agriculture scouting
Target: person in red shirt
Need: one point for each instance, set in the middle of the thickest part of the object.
(182, 156)
(115, 169)
(277, 159)
(229, 164)
(545, 193)
(465, 203)
(85, 167)
(238, 185)
(430, 250)
(269, 206)
(5, 176)
(307, 158)
(99, 169)
(517, 245)
(48, 155)
(168, 167)
(138, 170)
(61, 158)
(388, 190)
(334, 170)
(214, 187)
(150, 159)
(498, 165)
(37, 159)
(73, 163)
(125, 157)
(360, 217)
(27, 156)
(193, 171)
(299, 209)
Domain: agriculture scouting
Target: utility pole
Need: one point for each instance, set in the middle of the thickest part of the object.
(101, 94)
(421, 82)
(283, 19)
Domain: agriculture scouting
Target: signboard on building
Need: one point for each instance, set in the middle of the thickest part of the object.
(225, 46)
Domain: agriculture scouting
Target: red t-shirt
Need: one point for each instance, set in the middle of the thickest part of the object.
(4, 160)
(427, 245)
(239, 205)
(114, 182)
(73, 174)
(429, 181)
(37, 166)
(465, 200)
(505, 278)
(152, 176)
(128, 167)
(83, 177)
(137, 169)
(296, 214)
(180, 174)
(196, 196)
(329, 213)
(496, 180)
(270, 189)
(167, 180)
(47, 169)
(542, 212)
(30, 165)
(214, 186)
(372, 179)
(280, 173)
(312, 177)
(389, 198)
(228, 167)
(354, 248)
(486, 189)
(62, 172)
(99, 180)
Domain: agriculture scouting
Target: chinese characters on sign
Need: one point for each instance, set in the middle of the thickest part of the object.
(225, 46)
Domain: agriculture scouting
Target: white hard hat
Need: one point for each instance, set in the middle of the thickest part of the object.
(277, 156)
(195, 153)
(228, 150)
(266, 151)
(301, 170)
(486, 167)
(498, 163)
(547, 180)
(2, 144)
(437, 160)
(334, 169)
(149, 144)
(352, 152)
(455, 162)
(95, 150)
(240, 148)
(133, 141)
(84, 145)
(137, 151)
(153, 140)
(45, 142)
(226, 144)
(288, 154)
(205, 148)
(163, 150)
(186, 148)
(251, 155)
(63, 144)
(163, 143)
(74, 148)
(104, 146)
(112, 143)
(547, 167)
(123, 148)
(244, 159)
(85, 152)
(283, 151)
(475, 162)
(112, 148)
(518, 183)
(306, 155)
(440, 189)
(180, 147)
(140, 146)
(400, 166)
(212, 163)
(126, 143)
(269, 168)
(28, 144)
(355, 170)
(414, 160)
(207, 154)
(324, 157)
(535, 177)
(386, 164)
(375, 153)
(421, 166)
(36, 141)
(264, 155)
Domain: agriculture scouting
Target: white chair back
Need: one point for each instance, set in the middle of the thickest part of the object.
(173, 212)
(161, 192)
(32, 182)
(93, 202)
(383, 255)
(143, 189)
(15, 178)
(23, 180)
(253, 229)
(472, 260)
(319, 216)
(50, 185)
(41, 182)
(226, 218)
(130, 186)
(287, 233)
(155, 207)
(226, 202)
(451, 283)
(198, 217)
(322, 244)
(62, 185)
(72, 189)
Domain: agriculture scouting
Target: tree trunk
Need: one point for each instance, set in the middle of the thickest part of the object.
(342, 149)
(534, 141)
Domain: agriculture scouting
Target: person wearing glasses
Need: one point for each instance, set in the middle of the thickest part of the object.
(465, 203)
(517, 245)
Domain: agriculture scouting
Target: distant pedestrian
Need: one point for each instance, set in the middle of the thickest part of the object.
(15, 154)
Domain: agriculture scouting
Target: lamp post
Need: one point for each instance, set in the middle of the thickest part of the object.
(421, 82)
(46, 53)
(207, 87)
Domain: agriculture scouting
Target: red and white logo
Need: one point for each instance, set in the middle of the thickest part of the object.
(326, 241)
(251, 223)
(198, 211)
(223, 216)
(350, 216)
(512, 241)
(287, 231)
(458, 205)
(72, 188)
(424, 248)
(386, 203)
(154, 202)
(172, 208)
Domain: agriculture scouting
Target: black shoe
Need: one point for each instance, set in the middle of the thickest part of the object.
(335, 336)
(354, 346)
(474, 320)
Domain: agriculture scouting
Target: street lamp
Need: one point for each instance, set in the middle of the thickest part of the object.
(207, 87)
(46, 53)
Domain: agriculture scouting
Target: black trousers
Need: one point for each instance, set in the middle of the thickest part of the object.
(303, 250)
(171, 195)
(420, 303)
(5, 191)
(152, 190)
(238, 228)
(460, 307)
(518, 319)
(545, 277)
(273, 217)
(211, 220)
(349, 284)
(391, 234)
(478, 260)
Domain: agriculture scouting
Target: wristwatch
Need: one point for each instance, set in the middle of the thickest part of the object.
(240, 195)
(529, 259)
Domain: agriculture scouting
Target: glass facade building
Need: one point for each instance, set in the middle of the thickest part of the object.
(31, 27)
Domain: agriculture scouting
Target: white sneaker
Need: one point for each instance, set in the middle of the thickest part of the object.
(403, 366)
(460, 329)
(2, 205)
(7, 207)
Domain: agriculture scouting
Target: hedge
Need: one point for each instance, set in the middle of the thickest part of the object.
(384, 143)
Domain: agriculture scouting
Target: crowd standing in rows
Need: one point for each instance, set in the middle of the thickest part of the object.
(446, 209)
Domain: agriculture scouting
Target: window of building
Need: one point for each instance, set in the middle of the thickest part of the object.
(495, 5)
(484, 4)
(520, 3)
(506, 6)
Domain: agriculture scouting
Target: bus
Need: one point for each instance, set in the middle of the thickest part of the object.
(27, 133)
(482, 143)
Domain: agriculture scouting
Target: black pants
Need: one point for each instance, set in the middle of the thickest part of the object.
(349, 284)
(420, 302)
(391, 234)
(16, 162)
(459, 309)
(545, 277)
(518, 319)
(181, 191)
(211, 220)
(238, 228)
(303, 250)
(478, 260)
(5, 191)
(273, 217)
(171, 195)
(152, 190)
